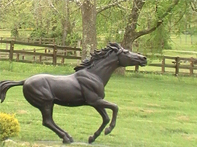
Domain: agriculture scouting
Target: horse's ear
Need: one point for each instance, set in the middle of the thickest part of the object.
(116, 45)
(119, 51)
(113, 47)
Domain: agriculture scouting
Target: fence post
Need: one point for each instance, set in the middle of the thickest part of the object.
(176, 66)
(23, 56)
(17, 56)
(40, 58)
(34, 57)
(78, 45)
(136, 68)
(11, 50)
(53, 40)
(191, 66)
(54, 55)
(64, 53)
(62, 62)
(163, 65)
(40, 40)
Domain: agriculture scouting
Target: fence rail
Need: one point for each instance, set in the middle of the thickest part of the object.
(176, 63)
(30, 40)
(53, 54)
(49, 54)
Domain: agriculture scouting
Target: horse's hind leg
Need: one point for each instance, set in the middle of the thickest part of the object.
(47, 112)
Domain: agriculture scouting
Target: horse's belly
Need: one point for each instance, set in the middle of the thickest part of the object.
(68, 93)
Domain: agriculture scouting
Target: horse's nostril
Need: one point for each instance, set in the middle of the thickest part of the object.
(142, 57)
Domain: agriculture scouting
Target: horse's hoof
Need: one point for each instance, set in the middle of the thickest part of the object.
(91, 139)
(107, 130)
(66, 140)
(71, 139)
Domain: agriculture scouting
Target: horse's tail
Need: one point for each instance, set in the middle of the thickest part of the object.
(5, 85)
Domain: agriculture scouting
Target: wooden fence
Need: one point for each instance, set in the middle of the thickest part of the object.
(30, 40)
(53, 54)
(48, 54)
(177, 63)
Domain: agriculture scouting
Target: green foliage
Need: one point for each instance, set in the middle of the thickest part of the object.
(37, 33)
(111, 22)
(14, 32)
(156, 41)
(48, 19)
(178, 21)
(16, 14)
(72, 38)
(9, 126)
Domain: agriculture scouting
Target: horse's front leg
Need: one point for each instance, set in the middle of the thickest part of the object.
(114, 108)
(102, 104)
(106, 120)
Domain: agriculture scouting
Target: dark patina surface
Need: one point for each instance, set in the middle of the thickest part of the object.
(84, 87)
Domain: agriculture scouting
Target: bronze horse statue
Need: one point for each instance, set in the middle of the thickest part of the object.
(84, 87)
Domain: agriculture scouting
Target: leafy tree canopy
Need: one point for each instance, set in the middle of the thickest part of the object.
(156, 19)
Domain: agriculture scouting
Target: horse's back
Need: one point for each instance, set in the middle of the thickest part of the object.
(63, 90)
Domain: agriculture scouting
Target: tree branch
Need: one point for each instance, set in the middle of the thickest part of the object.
(52, 6)
(180, 17)
(143, 32)
(171, 7)
(133, 17)
(78, 3)
(194, 8)
(159, 22)
(10, 2)
(124, 8)
(103, 8)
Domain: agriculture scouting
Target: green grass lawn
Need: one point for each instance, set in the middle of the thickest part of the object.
(154, 110)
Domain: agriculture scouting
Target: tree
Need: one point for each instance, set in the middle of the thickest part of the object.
(14, 15)
(89, 12)
(89, 42)
(131, 31)
(52, 19)
(138, 26)
(123, 21)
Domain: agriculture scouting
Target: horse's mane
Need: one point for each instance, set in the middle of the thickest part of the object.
(98, 54)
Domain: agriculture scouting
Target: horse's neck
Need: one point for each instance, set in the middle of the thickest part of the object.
(105, 67)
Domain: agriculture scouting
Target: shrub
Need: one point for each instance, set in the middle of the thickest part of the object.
(9, 126)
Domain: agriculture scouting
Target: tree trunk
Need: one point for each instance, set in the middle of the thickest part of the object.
(65, 22)
(89, 41)
(130, 30)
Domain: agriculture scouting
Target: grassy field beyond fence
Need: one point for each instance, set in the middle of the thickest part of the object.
(154, 110)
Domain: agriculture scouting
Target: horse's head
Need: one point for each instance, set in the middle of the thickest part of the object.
(128, 58)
